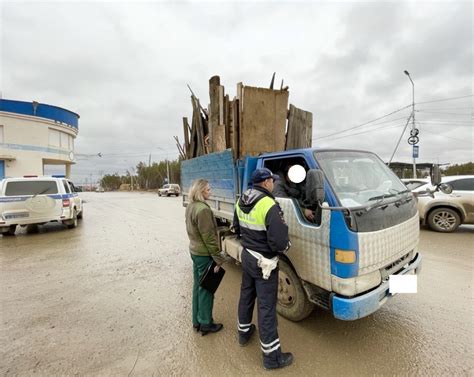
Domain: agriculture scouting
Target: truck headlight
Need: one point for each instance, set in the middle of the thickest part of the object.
(355, 285)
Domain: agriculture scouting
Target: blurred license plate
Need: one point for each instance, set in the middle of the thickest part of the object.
(17, 215)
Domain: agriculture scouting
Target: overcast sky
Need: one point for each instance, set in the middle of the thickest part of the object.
(124, 66)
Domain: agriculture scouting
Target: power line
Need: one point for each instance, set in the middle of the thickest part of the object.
(443, 113)
(363, 124)
(445, 99)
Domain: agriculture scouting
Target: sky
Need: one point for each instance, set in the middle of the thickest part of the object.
(124, 68)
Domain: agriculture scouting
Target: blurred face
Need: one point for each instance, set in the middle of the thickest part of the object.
(206, 192)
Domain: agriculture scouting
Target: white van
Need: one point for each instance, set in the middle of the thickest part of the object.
(32, 200)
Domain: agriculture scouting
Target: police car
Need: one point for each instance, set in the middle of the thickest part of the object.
(33, 200)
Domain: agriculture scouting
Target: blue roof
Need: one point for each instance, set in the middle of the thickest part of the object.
(54, 113)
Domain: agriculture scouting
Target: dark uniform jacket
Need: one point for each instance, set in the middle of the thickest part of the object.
(258, 219)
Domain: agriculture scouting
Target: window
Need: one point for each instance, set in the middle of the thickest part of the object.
(66, 186)
(1, 134)
(64, 140)
(463, 184)
(54, 138)
(31, 188)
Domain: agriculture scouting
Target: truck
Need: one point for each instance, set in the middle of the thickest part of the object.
(366, 226)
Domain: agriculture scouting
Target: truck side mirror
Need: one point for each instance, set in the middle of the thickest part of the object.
(435, 174)
(314, 186)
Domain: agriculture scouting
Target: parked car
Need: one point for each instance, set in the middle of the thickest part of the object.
(99, 189)
(32, 201)
(445, 212)
(413, 183)
(169, 189)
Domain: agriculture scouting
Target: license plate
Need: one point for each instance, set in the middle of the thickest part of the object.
(16, 216)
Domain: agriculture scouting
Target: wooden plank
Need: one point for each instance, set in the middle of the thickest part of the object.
(199, 126)
(235, 128)
(186, 135)
(214, 88)
(193, 142)
(218, 141)
(263, 120)
(300, 129)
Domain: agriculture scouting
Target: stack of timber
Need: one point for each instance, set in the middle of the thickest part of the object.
(255, 121)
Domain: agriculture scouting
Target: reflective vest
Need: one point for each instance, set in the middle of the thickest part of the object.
(255, 219)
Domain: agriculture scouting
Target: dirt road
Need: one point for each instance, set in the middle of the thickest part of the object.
(113, 297)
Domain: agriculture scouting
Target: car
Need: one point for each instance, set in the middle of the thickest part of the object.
(36, 200)
(413, 183)
(99, 189)
(445, 212)
(169, 189)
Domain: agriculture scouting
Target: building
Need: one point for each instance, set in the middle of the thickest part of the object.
(33, 135)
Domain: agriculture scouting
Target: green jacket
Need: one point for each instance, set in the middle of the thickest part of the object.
(202, 229)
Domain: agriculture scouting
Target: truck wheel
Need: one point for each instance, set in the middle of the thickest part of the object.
(11, 231)
(159, 194)
(71, 224)
(444, 220)
(292, 301)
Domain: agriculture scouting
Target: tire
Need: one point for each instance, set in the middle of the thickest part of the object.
(167, 195)
(443, 219)
(293, 303)
(71, 224)
(159, 194)
(11, 231)
(32, 229)
(81, 214)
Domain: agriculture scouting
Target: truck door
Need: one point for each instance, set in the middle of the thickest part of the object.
(310, 251)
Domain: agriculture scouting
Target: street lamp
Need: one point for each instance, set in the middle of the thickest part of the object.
(413, 133)
(167, 164)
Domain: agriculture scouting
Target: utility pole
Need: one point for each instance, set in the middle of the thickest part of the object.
(413, 140)
(90, 180)
(168, 169)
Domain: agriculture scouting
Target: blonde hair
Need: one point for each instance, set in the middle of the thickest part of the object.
(197, 188)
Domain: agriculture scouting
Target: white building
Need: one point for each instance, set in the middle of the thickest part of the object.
(33, 135)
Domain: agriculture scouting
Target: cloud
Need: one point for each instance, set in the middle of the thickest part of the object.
(124, 68)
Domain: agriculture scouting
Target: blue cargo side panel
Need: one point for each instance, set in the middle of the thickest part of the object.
(217, 168)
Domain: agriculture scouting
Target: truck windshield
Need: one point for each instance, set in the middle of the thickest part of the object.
(358, 178)
(31, 188)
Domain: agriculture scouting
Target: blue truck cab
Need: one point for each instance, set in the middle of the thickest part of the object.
(366, 226)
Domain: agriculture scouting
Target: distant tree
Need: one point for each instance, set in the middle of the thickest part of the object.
(459, 169)
(111, 182)
(154, 176)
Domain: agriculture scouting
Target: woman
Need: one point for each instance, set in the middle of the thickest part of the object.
(202, 232)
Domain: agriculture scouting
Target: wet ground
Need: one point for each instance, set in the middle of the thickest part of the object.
(113, 297)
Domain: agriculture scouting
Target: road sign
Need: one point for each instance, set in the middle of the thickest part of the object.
(416, 150)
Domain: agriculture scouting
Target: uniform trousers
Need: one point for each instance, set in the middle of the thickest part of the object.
(266, 292)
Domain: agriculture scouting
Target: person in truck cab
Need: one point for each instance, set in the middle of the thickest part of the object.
(285, 188)
(258, 220)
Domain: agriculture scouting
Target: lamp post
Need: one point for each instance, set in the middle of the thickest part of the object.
(413, 132)
(167, 164)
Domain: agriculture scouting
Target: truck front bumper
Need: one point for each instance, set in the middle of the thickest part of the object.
(349, 309)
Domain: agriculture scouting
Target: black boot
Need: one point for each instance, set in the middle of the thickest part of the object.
(245, 337)
(197, 327)
(213, 327)
(278, 360)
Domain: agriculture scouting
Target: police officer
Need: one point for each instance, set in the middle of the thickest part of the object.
(258, 219)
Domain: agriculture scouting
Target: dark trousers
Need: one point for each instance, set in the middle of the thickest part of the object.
(266, 291)
(203, 300)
